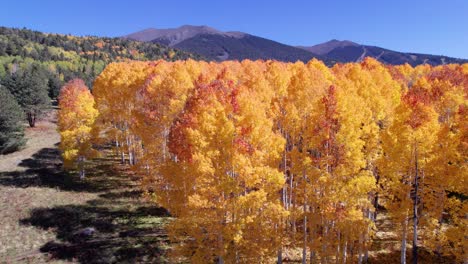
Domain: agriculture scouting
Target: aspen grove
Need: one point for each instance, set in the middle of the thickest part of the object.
(257, 158)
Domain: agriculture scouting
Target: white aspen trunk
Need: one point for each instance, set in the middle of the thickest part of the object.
(403, 242)
(338, 254)
(360, 249)
(284, 193)
(366, 253)
(311, 238)
(284, 198)
(313, 257)
(130, 151)
(324, 255)
(116, 145)
(345, 251)
(164, 147)
(415, 209)
(304, 247)
(292, 207)
(291, 190)
(81, 167)
(366, 248)
(280, 256)
(221, 242)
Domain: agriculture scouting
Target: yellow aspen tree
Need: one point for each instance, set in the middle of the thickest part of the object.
(254, 158)
(306, 87)
(278, 76)
(409, 149)
(116, 91)
(379, 94)
(227, 158)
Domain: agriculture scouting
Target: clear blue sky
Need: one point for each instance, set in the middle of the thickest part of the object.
(426, 26)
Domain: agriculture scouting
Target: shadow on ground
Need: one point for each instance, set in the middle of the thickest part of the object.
(423, 257)
(44, 169)
(106, 230)
(118, 226)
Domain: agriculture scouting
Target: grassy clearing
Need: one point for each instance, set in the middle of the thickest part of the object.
(45, 212)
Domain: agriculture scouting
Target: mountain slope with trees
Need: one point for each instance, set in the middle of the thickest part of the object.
(347, 51)
(35, 65)
(220, 46)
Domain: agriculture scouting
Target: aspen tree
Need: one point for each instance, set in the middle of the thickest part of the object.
(75, 121)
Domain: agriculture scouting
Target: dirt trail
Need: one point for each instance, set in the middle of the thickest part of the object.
(44, 135)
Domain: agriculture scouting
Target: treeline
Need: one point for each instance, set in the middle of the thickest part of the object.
(66, 57)
(34, 66)
(254, 158)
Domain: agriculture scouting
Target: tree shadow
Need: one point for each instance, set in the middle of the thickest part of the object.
(44, 169)
(109, 233)
(424, 256)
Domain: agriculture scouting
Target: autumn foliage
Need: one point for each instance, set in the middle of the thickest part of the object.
(256, 158)
(75, 121)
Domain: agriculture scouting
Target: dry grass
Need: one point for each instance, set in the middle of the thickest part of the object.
(43, 209)
(44, 135)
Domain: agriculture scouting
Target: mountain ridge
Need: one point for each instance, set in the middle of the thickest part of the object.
(218, 45)
(177, 35)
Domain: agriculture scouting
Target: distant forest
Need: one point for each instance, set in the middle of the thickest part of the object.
(35, 65)
(65, 57)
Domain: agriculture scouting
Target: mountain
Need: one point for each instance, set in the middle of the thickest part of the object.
(324, 48)
(173, 36)
(218, 45)
(347, 51)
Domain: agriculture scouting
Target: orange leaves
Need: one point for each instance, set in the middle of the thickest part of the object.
(75, 121)
(250, 155)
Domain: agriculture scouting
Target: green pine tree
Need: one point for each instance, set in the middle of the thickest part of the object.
(30, 88)
(11, 128)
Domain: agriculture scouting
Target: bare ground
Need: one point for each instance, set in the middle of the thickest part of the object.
(44, 211)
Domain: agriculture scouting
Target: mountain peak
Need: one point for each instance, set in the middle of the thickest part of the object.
(219, 45)
(173, 36)
(328, 46)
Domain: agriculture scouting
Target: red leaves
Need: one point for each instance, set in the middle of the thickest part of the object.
(70, 91)
(204, 95)
(418, 117)
(417, 95)
(331, 150)
(178, 142)
(243, 145)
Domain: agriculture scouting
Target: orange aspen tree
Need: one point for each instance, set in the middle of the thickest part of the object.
(448, 90)
(226, 153)
(75, 121)
(161, 100)
(255, 159)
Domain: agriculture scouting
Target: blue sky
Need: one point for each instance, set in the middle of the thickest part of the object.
(437, 27)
